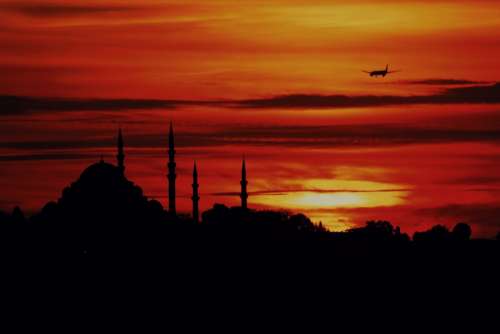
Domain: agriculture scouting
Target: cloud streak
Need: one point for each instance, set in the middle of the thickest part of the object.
(39, 10)
(45, 156)
(371, 135)
(284, 191)
(15, 105)
(444, 82)
(463, 95)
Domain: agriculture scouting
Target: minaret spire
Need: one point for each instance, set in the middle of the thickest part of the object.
(120, 156)
(196, 195)
(171, 171)
(244, 183)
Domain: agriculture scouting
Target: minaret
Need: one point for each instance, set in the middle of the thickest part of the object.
(171, 171)
(196, 195)
(120, 156)
(243, 182)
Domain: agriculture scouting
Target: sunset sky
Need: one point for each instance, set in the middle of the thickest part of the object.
(279, 82)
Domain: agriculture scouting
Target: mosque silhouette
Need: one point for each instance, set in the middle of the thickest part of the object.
(103, 194)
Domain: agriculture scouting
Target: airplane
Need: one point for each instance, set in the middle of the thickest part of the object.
(381, 72)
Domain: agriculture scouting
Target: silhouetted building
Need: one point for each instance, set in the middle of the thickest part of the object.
(244, 183)
(171, 172)
(120, 157)
(196, 196)
(102, 196)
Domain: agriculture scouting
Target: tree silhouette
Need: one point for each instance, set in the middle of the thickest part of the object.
(438, 233)
(461, 232)
(255, 224)
(4, 218)
(18, 216)
(375, 230)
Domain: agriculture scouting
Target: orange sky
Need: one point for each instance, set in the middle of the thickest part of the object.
(415, 164)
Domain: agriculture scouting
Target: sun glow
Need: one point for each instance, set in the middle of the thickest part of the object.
(316, 200)
(322, 206)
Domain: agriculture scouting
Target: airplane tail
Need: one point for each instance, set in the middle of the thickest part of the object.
(387, 67)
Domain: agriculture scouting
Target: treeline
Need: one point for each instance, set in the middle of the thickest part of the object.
(220, 220)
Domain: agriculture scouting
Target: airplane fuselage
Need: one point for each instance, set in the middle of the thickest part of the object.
(378, 73)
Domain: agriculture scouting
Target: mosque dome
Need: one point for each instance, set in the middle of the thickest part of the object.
(103, 196)
(102, 186)
(101, 171)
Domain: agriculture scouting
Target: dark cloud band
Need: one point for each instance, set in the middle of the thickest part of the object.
(16, 105)
(370, 135)
(277, 192)
(444, 82)
(490, 94)
(33, 9)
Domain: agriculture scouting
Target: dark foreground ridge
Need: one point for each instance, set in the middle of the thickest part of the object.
(105, 249)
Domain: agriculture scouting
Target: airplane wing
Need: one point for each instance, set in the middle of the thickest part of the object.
(367, 72)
